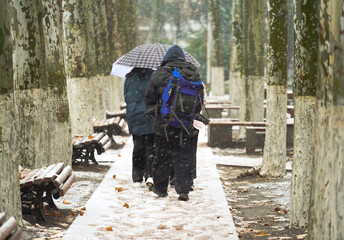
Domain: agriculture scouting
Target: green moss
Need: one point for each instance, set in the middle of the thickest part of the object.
(2, 42)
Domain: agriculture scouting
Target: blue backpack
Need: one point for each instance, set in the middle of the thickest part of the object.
(182, 101)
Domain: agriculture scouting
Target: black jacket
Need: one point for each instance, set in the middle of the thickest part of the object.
(172, 60)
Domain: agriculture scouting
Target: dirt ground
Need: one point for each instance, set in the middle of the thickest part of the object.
(259, 206)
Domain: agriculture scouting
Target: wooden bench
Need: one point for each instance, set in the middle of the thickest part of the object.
(9, 229)
(122, 114)
(41, 185)
(220, 133)
(215, 110)
(84, 147)
(122, 105)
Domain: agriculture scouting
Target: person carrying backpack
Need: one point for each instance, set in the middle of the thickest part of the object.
(173, 125)
(139, 127)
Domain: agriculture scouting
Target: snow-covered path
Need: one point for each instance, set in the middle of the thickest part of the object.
(136, 213)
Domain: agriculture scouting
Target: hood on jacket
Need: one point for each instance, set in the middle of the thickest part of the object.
(174, 52)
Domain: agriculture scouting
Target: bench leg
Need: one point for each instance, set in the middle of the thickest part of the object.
(86, 157)
(110, 132)
(49, 197)
(219, 136)
(250, 141)
(38, 206)
(91, 156)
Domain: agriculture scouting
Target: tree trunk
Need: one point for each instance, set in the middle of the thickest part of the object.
(100, 32)
(236, 54)
(10, 202)
(42, 112)
(252, 83)
(274, 159)
(326, 215)
(58, 126)
(29, 81)
(306, 49)
(155, 22)
(216, 58)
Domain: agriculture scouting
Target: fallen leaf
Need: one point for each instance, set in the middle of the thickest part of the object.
(66, 202)
(109, 228)
(72, 214)
(90, 136)
(262, 234)
(57, 214)
(179, 227)
(285, 211)
(46, 214)
(83, 208)
(162, 226)
(301, 236)
(81, 213)
(119, 189)
(78, 166)
(126, 205)
(278, 209)
(119, 155)
(114, 176)
(100, 169)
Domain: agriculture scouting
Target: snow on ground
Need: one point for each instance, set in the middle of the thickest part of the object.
(136, 213)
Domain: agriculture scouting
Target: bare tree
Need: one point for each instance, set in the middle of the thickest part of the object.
(9, 175)
(274, 159)
(306, 50)
(327, 197)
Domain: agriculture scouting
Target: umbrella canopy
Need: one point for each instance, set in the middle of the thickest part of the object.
(145, 56)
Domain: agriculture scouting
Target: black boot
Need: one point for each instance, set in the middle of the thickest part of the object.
(183, 197)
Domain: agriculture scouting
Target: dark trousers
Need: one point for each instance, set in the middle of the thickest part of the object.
(194, 160)
(173, 154)
(143, 156)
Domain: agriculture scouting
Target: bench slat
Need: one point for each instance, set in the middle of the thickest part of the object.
(7, 228)
(104, 140)
(99, 136)
(27, 177)
(41, 177)
(122, 123)
(67, 185)
(17, 235)
(107, 146)
(2, 217)
(53, 173)
(62, 176)
(30, 181)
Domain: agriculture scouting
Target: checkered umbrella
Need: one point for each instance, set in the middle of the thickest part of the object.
(145, 56)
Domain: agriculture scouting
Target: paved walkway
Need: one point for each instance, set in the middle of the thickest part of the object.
(136, 213)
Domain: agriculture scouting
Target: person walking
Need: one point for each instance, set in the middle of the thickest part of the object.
(139, 126)
(174, 146)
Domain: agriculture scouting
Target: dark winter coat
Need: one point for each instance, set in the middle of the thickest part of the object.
(134, 94)
(174, 58)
